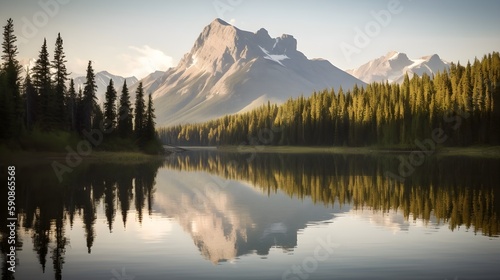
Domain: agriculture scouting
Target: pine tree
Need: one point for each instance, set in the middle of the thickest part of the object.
(60, 79)
(150, 120)
(124, 121)
(110, 107)
(43, 86)
(79, 118)
(89, 98)
(71, 104)
(9, 47)
(140, 113)
(10, 92)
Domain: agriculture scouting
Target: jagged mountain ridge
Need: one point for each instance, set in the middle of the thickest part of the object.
(229, 70)
(394, 65)
(102, 79)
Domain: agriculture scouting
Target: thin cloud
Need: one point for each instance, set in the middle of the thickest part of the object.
(144, 60)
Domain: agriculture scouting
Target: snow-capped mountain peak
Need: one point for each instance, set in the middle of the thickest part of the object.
(102, 79)
(394, 65)
(229, 69)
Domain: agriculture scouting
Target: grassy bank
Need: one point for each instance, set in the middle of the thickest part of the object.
(132, 157)
(479, 151)
(474, 151)
(28, 157)
(295, 149)
(39, 146)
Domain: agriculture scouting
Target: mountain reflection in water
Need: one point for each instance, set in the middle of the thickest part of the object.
(232, 206)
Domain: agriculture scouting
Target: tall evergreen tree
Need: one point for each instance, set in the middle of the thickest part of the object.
(43, 86)
(60, 79)
(140, 113)
(124, 120)
(79, 118)
(71, 105)
(110, 106)
(150, 132)
(10, 92)
(9, 47)
(89, 100)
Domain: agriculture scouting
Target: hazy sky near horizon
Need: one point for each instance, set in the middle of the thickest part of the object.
(137, 37)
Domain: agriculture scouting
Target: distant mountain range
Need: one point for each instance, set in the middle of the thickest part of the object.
(393, 66)
(102, 80)
(229, 70)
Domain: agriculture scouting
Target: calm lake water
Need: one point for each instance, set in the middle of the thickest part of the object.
(215, 215)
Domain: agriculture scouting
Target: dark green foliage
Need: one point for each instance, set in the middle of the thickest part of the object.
(79, 111)
(11, 109)
(89, 99)
(43, 85)
(9, 47)
(48, 114)
(150, 142)
(60, 78)
(462, 103)
(110, 106)
(72, 106)
(149, 129)
(144, 124)
(140, 113)
(124, 119)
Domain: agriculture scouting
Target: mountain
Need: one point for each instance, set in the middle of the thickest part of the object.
(102, 80)
(151, 82)
(228, 219)
(229, 70)
(394, 65)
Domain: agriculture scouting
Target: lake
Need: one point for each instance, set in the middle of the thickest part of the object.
(229, 215)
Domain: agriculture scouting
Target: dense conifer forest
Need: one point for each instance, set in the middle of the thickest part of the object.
(463, 104)
(42, 111)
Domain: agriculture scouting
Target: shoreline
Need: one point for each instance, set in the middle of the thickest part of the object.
(20, 157)
(29, 157)
(472, 151)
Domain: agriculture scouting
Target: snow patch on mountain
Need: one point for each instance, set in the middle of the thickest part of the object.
(394, 65)
(229, 70)
(102, 81)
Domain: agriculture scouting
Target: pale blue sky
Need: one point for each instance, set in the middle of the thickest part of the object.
(137, 37)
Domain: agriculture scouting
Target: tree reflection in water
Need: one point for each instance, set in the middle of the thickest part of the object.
(45, 206)
(461, 192)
